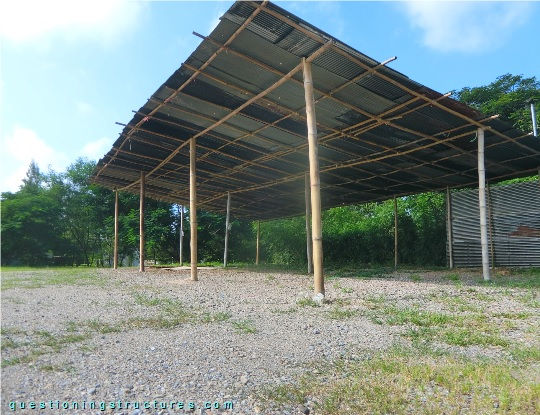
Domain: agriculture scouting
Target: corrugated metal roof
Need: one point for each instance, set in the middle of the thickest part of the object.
(380, 133)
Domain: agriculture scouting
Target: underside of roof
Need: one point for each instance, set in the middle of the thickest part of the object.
(241, 94)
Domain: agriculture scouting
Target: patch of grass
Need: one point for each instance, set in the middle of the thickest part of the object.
(338, 313)
(512, 316)
(467, 337)
(11, 344)
(411, 315)
(415, 278)
(244, 326)
(56, 368)
(215, 317)
(38, 278)
(526, 354)
(453, 277)
(103, 328)
(528, 278)
(306, 302)
(405, 383)
(375, 301)
(270, 278)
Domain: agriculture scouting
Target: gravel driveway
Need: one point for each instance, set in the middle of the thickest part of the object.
(157, 336)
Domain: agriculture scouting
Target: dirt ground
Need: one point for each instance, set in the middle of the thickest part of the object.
(237, 337)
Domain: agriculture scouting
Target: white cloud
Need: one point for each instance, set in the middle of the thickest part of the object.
(27, 21)
(18, 149)
(465, 26)
(96, 149)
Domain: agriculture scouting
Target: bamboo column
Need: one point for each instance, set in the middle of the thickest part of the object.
(449, 228)
(115, 254)
(141, 225)
(181, 247)
(227, 226)
(308, 227)
(258, 239)
(482, 205)
(193, 207)
(316, 224)
(395, 234)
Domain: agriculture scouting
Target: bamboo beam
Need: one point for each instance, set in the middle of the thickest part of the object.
(258, 241)
(115, 254)
(316, 223)
(141, 224)
(227, 229)
(181, 244)
(449, 228)
(193, 207)
(395, 233)
(309, 247)
(482, 205)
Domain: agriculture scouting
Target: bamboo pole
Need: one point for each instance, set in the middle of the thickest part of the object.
(115, 255)
(227, 228)
(193, 207)
(482, 205)
(449, 228)
(309, 246)
(316, 223)
(141, 225)
(181, 247)
(258, 241)
(395, 233)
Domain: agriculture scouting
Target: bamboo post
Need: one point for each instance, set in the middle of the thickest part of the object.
(490, 226)
(115, 255)
(181, 244)
(449, 228)
(316, 224)
(141, 225)
(227, 228)
(258, 239)
(193, 208)
(482, 205)
(309, 246)
(395, 234)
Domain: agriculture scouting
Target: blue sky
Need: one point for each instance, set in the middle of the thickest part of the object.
(70, 69)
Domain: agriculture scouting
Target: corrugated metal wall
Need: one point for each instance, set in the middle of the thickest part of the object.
(513, 226)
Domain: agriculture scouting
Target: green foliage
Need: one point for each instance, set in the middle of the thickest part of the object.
(506, 96)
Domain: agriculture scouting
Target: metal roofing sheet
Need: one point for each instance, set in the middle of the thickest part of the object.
(381, 133)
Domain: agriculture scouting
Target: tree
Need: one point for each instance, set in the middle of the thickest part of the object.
(506, 96)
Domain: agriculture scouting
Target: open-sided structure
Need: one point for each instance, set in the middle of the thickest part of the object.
(267, 97)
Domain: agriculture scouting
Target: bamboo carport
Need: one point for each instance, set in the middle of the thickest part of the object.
(267, 99)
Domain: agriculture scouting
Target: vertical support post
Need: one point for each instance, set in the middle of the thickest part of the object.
(395, 234)
(449, 228)
(309, 246)
(193, 207)
(316, 223)
(227, 228)
(115, 253)
(490, 226)
(258, 241)
(482, 205)
(141, 225)
(181, 244)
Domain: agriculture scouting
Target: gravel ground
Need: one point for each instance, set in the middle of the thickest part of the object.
(265, 333)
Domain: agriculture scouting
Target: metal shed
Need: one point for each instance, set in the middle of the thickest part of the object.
(240, 109)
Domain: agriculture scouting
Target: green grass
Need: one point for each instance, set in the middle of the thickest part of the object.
(411, 315)
(42, 277)
(338, 313)
(244, 327)
(464, 336)
(453, 277)
(404, 382)
(415, 278)
(306, 302)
